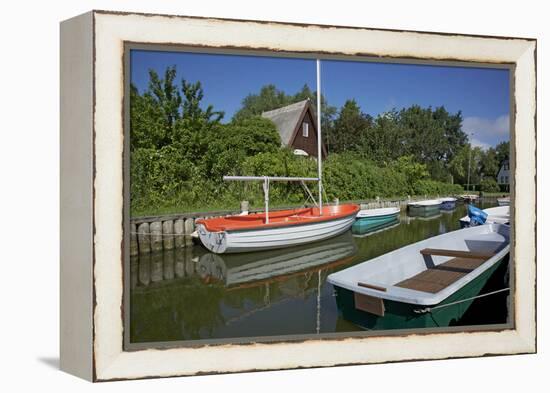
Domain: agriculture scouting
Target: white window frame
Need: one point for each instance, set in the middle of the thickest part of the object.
(305, 129)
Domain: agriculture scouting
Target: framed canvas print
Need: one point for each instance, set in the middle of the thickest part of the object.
(245, 195)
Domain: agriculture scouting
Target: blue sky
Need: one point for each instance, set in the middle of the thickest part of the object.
(482, 94)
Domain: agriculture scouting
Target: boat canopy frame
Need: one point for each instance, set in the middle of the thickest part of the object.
(267, 180)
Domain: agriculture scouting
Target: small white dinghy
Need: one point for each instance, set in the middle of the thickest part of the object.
(495, 215)
(503, 201)
(393, 290)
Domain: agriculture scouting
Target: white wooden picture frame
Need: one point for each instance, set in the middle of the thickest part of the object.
(92, 193)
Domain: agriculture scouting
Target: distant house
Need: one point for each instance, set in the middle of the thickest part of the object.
(503, 176)
(297, 127)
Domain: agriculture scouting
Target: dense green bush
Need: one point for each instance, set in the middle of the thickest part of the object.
(163, 180)
(433, 187)
(349, 177)
(489, 184)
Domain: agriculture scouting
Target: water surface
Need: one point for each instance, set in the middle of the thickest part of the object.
(191, 294)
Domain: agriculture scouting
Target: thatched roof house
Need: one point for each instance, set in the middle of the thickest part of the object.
(297, 127)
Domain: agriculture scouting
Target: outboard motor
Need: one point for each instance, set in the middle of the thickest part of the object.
(477, 216)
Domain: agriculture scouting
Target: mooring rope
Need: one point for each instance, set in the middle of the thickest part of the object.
(430, 309)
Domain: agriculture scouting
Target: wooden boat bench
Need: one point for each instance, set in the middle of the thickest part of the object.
(456, 253)
(439, 277)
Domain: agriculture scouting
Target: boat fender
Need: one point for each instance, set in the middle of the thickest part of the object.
(477, 216)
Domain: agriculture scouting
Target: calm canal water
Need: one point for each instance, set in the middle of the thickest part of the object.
(191, 294)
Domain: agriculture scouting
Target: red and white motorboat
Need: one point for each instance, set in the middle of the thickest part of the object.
(282, 228)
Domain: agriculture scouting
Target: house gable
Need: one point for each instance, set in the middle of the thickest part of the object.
(290, 121)
(307, 143)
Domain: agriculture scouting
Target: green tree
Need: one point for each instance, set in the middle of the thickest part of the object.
(384, 141)
(231, 144)
(433, 136)
(164, 114)
(267, 99)
(489, 184)
(502, 151)
(349, 128)
(470, 157)
(412, 170)
(489, 164)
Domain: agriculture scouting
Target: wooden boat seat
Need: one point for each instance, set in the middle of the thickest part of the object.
(459, 254)
(439, 277)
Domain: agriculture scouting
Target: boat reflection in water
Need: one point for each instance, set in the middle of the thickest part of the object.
(234, 270)
(193, 294)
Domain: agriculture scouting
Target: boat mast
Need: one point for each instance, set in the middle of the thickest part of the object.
(266, 180)
(319, 149)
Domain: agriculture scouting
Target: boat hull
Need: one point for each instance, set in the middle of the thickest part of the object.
(423, 211)
(272, 238)
(448, 205)
(468, 198)
(503, 201)
(399, 315)
(370, 224)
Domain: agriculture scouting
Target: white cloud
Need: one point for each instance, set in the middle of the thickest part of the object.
(477, 143)
(487, 132)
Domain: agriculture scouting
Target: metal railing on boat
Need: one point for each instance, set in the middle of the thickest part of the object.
(266, 180)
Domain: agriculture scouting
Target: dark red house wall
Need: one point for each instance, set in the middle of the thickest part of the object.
(309, 144)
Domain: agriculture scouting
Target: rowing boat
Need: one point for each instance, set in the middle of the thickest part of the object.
(426, 284)
(284, 228)
(424, 208)
(468, 198)
(448, 203)
(370, 220)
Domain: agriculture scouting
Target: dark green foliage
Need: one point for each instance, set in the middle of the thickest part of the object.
(433, 187)
(431, 136)
(180, 151)
(349, 128)
(412, 170)
(489, 164)
(351, 177)
(158, 175)
(468, 156)
(229, 145)
(489, 184)
(502, 152)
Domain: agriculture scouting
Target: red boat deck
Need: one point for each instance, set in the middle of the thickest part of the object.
(281, 218)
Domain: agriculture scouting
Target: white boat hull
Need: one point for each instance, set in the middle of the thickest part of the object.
(272, 238)
(373, 213)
